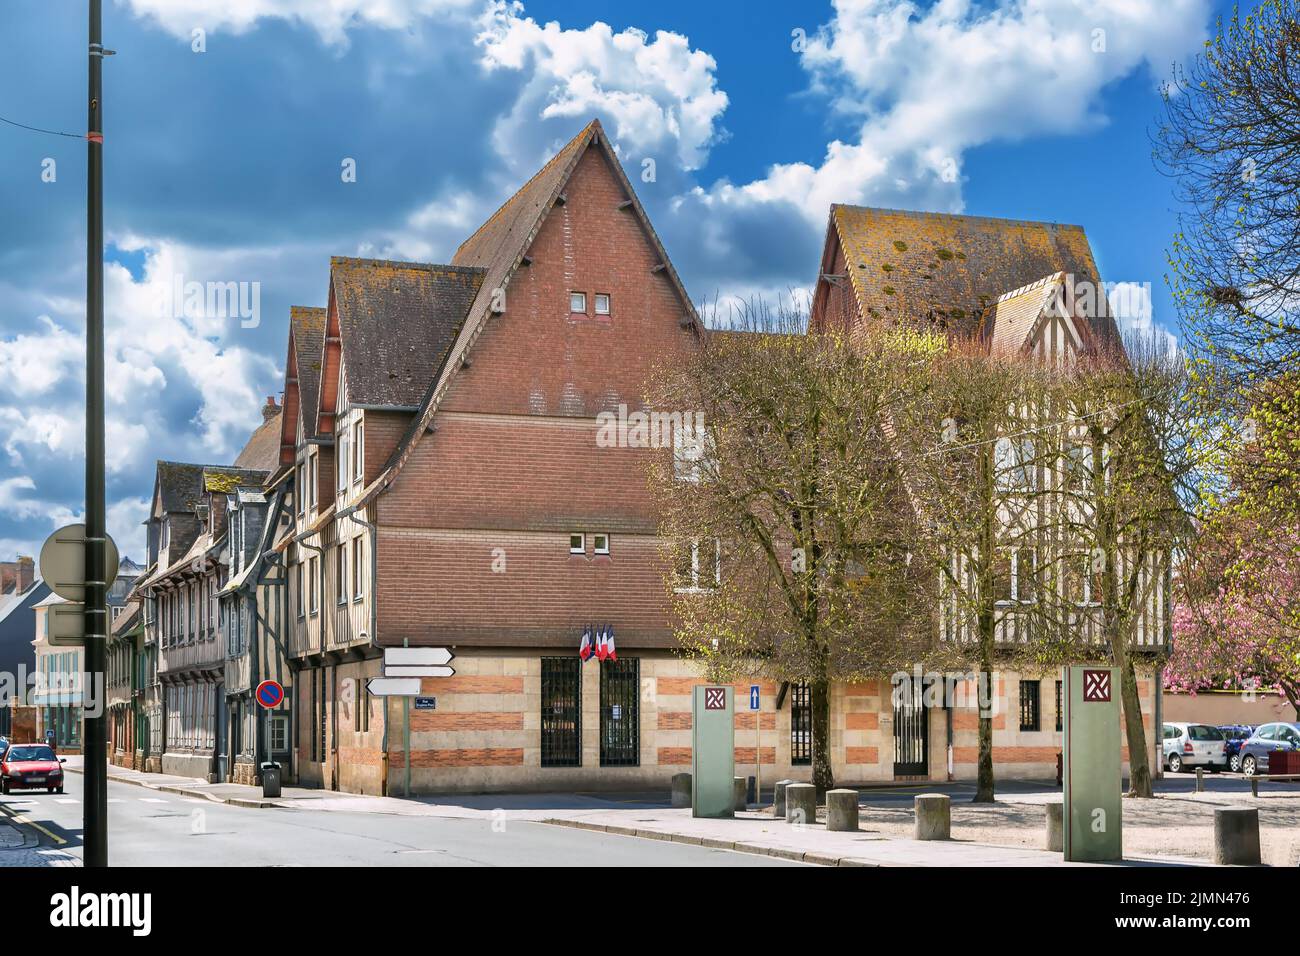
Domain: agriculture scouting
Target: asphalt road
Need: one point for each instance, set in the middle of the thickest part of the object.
(149, 828)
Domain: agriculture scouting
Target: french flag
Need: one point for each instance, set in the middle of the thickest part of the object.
(609, 644)
(584, 649)
(601, 651)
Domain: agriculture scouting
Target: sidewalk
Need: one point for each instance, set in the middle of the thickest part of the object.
(640, 816)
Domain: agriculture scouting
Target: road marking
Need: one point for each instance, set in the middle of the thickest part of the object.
(68, 800)
(152, 800)
(116, 800)
(19, 818)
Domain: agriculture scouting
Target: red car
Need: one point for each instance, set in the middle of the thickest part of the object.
(31, 767)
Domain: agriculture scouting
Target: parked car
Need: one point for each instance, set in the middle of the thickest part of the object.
(1235, 735)
(30, 767)
(1194, 745)
(1266, 739)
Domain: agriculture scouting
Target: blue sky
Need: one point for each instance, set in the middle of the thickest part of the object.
(223, 165)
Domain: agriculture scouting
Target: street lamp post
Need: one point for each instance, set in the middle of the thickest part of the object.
(95, 738)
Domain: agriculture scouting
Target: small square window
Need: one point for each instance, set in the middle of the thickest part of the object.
(578, 302)
(600, 543)
(602, 303)
(577, 544)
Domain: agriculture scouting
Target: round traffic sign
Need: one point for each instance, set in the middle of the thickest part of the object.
(63, 562)
(269, 694)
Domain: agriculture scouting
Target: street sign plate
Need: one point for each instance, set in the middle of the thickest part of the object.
(393, 686)
(426, 703)
(63, 562)
(269, 694)
(1096, 686)
(65, 625)
(416, 657)
(418, 671)
(753, 697)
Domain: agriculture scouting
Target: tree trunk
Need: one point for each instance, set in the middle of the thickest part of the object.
(823, 776)
(1139, 761)
(986, 694)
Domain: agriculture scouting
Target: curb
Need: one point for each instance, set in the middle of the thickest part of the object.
(798, 856)
(250, 803)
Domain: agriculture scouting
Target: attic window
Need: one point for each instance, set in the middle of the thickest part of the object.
(578, 303)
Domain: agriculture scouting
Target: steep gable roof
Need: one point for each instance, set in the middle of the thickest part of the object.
(951, 269)
(499, 247)
(179, 486)
(262, 451)
(397, 320)
(307, 340)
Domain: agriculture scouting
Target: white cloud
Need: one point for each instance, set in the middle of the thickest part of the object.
(660, 96)
(329, 18)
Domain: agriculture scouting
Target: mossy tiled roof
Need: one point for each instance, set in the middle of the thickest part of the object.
(397, 321)
(950, 269)
(308, 326)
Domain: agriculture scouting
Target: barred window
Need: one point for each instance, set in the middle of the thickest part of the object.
(1029, 708)
(561, 717)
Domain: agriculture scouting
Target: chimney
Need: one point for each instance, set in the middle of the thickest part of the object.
(26, 572)
(270, 409)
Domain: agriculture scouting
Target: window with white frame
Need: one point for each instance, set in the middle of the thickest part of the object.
(358, 567)
(600, 543)
(1013, 463)
(690, 451)
(578, 303)
(280, 733)
(341, 573)
(341, 459)
(700, 567)
(299, 593)
(577, 544)
(1015, 576)
(313, 474)
(358, 451)
(313, 597)
(602, 303)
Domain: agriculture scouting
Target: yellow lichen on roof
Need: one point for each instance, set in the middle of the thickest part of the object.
(949, 269)
(220, 483)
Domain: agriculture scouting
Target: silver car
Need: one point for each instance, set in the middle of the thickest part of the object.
(1195, 745)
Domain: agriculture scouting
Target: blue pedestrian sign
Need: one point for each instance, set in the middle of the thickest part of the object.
(753, 697)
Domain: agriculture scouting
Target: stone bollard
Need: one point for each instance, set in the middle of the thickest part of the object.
(800, 803)
(1200, 780)
(842, 810)
(681, 790)
(1236, 836)
(933, 816)
(739, 793)
(1254, 786)
(778, 798)
(1055, 819)
(751, 789)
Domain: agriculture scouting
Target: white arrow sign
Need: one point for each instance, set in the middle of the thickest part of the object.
(413, 671)
(416, 656)
(394, 686)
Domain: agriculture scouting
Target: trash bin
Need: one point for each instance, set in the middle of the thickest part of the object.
(270, 779)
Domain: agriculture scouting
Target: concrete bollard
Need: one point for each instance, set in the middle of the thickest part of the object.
(800, 803)
(933, 816)
(1200, 780)
(1236, 836)
(842, 810)
(1254, 786)
(751, 789)
(1055, 820)
(681, 790)
(739, 793)
(778, 798)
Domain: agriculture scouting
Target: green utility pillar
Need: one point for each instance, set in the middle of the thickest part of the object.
(1092, 781)
(713, 751)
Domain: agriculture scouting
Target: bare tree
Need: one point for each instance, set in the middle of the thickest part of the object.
(793, 542)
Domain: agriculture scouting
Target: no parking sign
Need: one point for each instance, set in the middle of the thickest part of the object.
(269, 694)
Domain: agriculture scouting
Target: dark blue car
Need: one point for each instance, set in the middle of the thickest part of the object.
(1266, 739)
(1235, 735)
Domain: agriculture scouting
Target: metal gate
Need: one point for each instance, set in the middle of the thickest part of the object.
(620, 693)
(561, 712)
(800, 724)
(911, 730)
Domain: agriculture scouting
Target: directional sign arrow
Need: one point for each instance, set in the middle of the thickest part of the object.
(416, 656)
(403, 670)
(393, 686)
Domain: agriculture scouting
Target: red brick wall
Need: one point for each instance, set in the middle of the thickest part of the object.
(514, 463)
